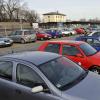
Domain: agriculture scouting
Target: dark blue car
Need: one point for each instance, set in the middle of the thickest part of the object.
(94, 41)
(54, 33)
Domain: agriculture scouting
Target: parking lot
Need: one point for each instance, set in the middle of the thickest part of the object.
(17, 47)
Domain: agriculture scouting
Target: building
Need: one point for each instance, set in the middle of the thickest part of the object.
(54, 17)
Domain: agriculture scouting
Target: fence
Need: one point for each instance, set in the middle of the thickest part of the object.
(7, 27)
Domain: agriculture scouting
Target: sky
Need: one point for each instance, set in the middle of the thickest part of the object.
(74, 9)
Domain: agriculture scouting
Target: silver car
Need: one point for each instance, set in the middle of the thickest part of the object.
(23, 36)
(4, 41)
(45, 76)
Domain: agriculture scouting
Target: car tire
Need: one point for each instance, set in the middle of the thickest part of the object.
(71, 34)
(22, 41)
(55, 37)
(42, 39)
(95, 69)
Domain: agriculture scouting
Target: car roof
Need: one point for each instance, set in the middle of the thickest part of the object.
(35, 57)
(67, 41)
(88, 37)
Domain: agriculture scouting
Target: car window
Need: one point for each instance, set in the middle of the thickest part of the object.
(87, 49)
(32, 32)
(18, 33)
(53, 48)
(6, 70)
(96, 34)
(61, 72)
(70, 50)
(90, 41)
(27, 32)
(26, 76)
(12, 33)
(96, 43)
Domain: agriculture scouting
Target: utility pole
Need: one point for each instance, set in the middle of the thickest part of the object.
(21, 26)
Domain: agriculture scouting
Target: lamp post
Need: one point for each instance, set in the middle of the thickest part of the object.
(21, 24)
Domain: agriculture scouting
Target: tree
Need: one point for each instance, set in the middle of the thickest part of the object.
(31, 16)
(10, 7)
(2, 12)
(16, 10)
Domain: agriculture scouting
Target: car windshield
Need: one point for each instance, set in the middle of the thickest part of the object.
(62, 72)
(87, 49)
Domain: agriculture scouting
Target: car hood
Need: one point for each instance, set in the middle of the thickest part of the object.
(95, 59)
(88, 88)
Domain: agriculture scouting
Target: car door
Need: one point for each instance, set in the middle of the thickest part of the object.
(6, 88)
(26, 79)
(73, 53)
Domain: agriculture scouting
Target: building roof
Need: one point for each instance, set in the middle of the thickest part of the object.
(54, 13)
(35, 57)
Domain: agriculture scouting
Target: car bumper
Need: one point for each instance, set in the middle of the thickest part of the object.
(5, 44)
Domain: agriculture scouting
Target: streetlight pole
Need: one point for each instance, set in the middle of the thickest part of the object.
(21, 26)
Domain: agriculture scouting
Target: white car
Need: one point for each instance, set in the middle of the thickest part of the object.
(68, 32)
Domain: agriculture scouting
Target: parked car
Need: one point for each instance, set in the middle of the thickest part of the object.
(95, 34)
(54, 33)
(23, 36)
(29, 76)
(68, 32)
(80, 31)
(78, 51)
(93, 41)
(43, 36)
(4, 41)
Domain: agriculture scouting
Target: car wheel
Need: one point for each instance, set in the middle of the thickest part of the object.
(42, 39)
(55, 37)
(22, 41)
(71, 34)
(95, 69)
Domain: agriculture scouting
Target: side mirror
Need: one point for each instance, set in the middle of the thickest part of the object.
(79, 55)
(37, 89)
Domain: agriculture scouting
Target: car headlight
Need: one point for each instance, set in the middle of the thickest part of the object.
(45, 35)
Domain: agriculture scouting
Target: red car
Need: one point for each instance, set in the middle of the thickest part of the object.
(43, 35)
(80, 30)
(78, 51)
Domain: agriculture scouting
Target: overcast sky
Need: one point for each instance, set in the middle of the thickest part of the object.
(74, 9)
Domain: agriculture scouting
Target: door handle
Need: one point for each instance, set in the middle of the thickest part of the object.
(18, 91)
